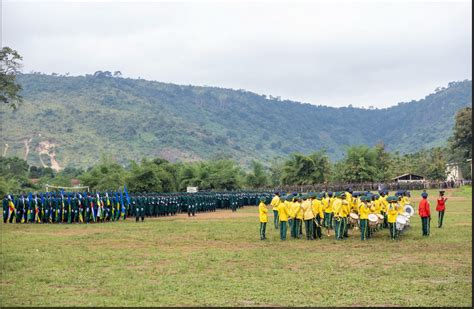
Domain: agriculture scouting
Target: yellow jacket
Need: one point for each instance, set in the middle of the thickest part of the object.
(401, 205)
(348, 198)
(346, 209)
(371, 205)
(318, 208)
(337, 207)
(275, 202)
(307, 209)
(355, 204)
(392, 213)
(262, 212)
(283, 212)
(298, 211)
(383, 204)
(378, 206)
(363, 211)
(328, 204)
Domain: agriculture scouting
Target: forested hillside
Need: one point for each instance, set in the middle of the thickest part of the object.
(71, 121)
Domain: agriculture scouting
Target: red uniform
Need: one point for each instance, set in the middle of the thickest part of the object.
(424, 208)
(441, 205)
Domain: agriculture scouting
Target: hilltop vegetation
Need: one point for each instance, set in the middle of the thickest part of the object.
(72, 121)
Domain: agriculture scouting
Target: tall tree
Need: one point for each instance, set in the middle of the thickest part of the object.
(258, 177)
(9, 67)
(462, 137)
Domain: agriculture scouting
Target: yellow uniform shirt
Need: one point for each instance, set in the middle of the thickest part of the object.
(371, 205)
(355, 205)
(318, 208)
(383, 204)
(401, 205)
(262, 212)
(363, 211)
(328, 204)
(298, 211)
(307, 209)
(346, 209)
(275, 202)
(337, 207)
(282, 212)
(378, 206)
(392, 213)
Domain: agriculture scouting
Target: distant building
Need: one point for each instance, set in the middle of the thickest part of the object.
(453, 172)
(409, 178)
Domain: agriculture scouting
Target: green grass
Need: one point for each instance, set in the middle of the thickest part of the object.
(218, 261)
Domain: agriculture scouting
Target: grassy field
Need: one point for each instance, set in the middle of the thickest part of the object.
(217, 259)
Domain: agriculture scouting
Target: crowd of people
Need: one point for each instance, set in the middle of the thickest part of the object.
(314, 214)
(87, 207)
(337, 212)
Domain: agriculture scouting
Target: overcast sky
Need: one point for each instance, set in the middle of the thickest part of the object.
(331, 52)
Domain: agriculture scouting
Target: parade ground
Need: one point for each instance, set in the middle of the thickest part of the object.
(218, 259)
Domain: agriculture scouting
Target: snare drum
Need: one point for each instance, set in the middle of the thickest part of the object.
(373, 220)
(353, 218)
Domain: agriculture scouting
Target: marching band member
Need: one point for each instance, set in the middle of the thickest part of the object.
(346, 210)
(392, 213)
(318, 211)
(275, 202)
(337, 211)
(327, 202)
(308, 216)
(292, 216)
(384, 207)
(363, 217)
(297, 216)
(371, 206)
(262, 213)
(283, 218)
(440, 207)
(425, 214)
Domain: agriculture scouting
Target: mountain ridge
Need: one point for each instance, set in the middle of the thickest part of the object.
(82, 117)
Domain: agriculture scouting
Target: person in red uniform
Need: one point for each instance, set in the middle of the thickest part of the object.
(425, 214)
(440, 207)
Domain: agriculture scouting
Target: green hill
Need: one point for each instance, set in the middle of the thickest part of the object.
(71, 121)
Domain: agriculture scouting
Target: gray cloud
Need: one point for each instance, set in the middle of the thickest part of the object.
(326, 52)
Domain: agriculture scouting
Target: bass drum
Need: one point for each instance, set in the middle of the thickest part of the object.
(409, 210)
(380, 217)
(401, 222)
(353, 218)
(373, 220)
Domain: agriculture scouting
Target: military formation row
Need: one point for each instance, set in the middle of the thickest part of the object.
(85, 207)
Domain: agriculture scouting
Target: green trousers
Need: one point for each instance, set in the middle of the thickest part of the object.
(295, 229)
(440, 218)
(345, 222)
(276, 219)
(393, 230)
(290, 225)
(328, 220)
(283, 230)
(317, 227)
(308, 224)
(263, 227)
(425, 226)
(338, 228)
(363, 229)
